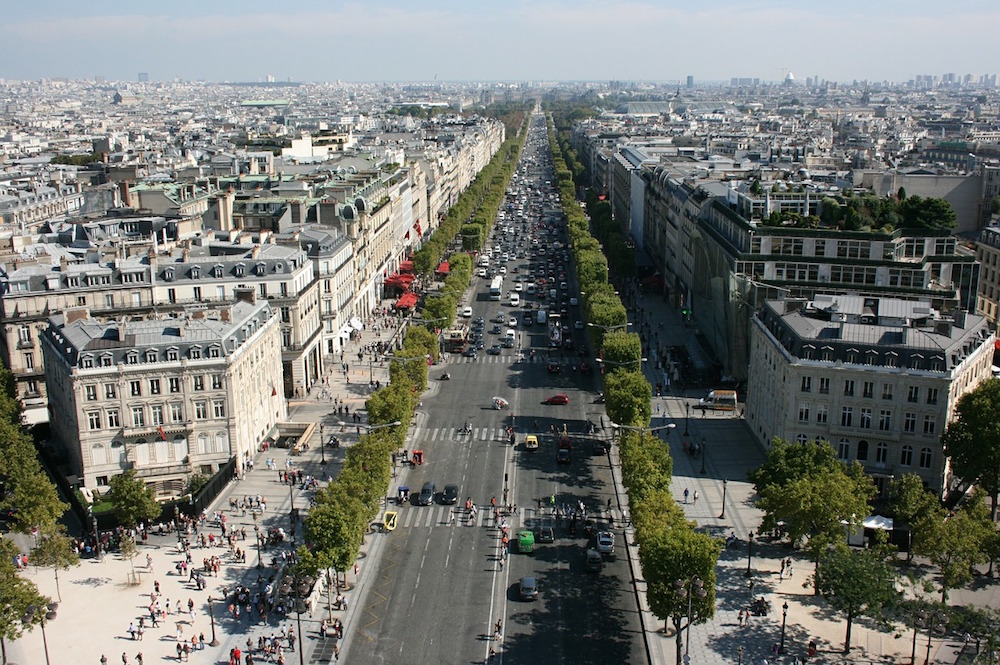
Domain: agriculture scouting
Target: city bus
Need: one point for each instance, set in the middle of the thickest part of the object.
(496, 288)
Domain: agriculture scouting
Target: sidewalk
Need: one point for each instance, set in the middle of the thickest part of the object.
(731, 452)
(97, 605)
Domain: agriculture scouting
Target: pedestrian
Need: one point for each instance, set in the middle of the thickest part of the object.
(501, 564)
(695, 497)
(104, 659)
(138, 658)
(131, 631)
(741, 617)
(124, 658)
(781, 574)
(686, 493)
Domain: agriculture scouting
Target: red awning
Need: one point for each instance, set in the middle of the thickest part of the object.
(406, 279)
(444, 268)
(407, 300)
(406, 266)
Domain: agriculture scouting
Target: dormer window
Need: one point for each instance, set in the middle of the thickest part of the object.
(132, 358)
(217, 270)
(151, 356)
(195, 352)
(107, 360)
(260, 269)
(214, 352)
(168, 274)
(195, 271)
(172, 354)
(87, 362)
(240, 268)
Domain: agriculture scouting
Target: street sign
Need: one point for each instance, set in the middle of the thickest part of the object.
(390, 520)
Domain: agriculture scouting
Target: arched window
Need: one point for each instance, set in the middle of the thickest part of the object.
(802, 438)
(98, 454)
(881, 452)
(906, 455)
(203, 444)
(220, 442)
(862, 451)
(926, 458)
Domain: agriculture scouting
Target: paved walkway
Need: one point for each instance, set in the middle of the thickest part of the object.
(731, 452)
(98, 604)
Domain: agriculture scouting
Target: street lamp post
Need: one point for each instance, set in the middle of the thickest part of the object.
(725, 483)
(177, 525)
(322, 445)
(703, 450)
(689, 588)
(298, 619)
(47, 613)
(749, 554)
(784, 616)
(291, 504)
(687, 416)
(932, 620)
(211, 617)
(256, 531)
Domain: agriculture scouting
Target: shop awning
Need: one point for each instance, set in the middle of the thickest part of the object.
(444, 268)
(356, 323)
(406, 266)
(407, 300)
(345, 331)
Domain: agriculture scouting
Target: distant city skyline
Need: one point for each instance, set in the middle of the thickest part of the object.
(517, 40)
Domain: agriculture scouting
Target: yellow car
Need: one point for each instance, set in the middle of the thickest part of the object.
(531, 442)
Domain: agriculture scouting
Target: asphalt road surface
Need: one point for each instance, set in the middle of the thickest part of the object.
(440, 585)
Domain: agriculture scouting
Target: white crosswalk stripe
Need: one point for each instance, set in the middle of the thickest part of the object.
(427, 517)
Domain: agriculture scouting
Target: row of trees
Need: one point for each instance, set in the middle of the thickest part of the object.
(33, 506)
(813, 500)
(678, 562)
(335, 526)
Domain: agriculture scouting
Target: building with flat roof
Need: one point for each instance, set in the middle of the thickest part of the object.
(878, 378)
(169, 397)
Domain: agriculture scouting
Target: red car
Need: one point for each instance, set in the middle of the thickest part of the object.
(557, 399)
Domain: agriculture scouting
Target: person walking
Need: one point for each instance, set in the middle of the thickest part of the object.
(686, 493)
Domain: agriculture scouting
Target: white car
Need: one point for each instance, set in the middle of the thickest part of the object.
(467, 312)
(513, 322)
(503, 270)
(519, 287)
(481, 272)
(606, 543)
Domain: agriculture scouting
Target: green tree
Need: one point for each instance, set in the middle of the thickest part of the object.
(972, 440)
(54, 549)
(859, 583)
(132, 500)
(646, 464)
(627, 396)
(680, 554)
(959, 542)
(811, 494)
(918, 509)
(16, 595)
(621, 350)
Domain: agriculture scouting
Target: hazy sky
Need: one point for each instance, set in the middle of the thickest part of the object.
(396, 40)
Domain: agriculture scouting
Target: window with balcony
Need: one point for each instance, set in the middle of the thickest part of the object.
(824, 386)
(913, 394)
(154, 386)
(849, 388)
(932, 395)
(175, 384)
(135, 388)
(806, 384)
(886, 391)
(91, 393)
(868, 389)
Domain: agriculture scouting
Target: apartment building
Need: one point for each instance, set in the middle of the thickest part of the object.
(988, 256)
(169, 397)
(878, 378)
(206, 273)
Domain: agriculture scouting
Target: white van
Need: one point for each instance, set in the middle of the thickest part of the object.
(721, 400)
(515, 299)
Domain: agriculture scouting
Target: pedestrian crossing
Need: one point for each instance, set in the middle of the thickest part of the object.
(427, 517)
(423, 435)
(503, 359)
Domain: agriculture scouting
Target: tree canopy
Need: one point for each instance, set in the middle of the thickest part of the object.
(972, 440)
(806, 491)
(132, 500)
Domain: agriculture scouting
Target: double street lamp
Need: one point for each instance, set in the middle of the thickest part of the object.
(934, 621)
(46, 613)
(256, 531)
(689, 589)
(322, 445)
(784, 617)
(609, 328)
(749, 554)
(725, 483)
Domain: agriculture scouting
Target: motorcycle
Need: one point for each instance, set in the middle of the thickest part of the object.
(600, 398)
(446, 377)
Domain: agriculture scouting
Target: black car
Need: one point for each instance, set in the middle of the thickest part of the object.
(450, 494)
(426, 496)
(470, 352)
(495, 330)
(494, 350)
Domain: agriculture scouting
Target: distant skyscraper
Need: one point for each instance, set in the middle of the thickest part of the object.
(143, 77)
(690, 82)
(270, 78)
